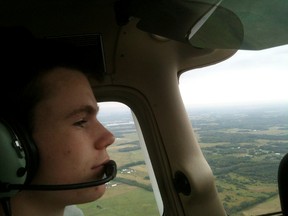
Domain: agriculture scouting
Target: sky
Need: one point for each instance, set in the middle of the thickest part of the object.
(247, 77)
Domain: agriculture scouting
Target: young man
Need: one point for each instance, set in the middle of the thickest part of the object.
(55, 104)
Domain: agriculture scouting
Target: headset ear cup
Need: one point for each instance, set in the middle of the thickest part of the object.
(32, 158)
(18, 156)
(12, 159)
(30, 149)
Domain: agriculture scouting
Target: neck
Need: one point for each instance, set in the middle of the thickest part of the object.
(27, 203)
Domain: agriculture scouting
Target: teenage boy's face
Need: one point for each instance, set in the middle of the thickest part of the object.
(71, 141)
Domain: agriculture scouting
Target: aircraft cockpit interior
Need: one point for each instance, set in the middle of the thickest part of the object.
(199, 131)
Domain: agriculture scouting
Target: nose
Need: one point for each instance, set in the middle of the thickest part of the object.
(104, 137)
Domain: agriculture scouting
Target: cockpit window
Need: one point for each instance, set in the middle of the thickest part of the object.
(134, 191)
(239, 111)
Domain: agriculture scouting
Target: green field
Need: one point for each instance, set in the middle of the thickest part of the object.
(243, 148)
(122, 200)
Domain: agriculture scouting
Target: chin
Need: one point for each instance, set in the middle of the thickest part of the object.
(100, 190)
(91, 194)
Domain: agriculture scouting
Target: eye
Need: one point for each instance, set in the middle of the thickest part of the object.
(80, 123)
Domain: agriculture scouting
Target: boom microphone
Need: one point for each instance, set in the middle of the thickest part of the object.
(110, 171)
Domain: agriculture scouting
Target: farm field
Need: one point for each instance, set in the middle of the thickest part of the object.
(243, 148)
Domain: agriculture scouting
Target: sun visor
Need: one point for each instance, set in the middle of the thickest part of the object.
(224, 24)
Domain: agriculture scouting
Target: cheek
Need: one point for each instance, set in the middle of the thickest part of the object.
(56, 144)
(60, 158)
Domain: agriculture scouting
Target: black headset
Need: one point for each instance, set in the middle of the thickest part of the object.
(19, 162)
(18, 157)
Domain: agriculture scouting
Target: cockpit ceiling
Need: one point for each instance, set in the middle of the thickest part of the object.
(232, 24)
(212, 24)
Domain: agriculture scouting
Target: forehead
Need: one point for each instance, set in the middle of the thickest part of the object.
(59, 77)
(67, 88)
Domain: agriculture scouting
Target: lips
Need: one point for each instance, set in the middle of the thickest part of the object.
(99, 169)
(101, 165)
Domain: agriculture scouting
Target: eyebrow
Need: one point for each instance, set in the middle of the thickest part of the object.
(88, 109)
